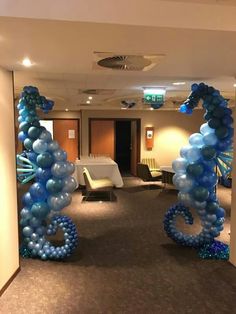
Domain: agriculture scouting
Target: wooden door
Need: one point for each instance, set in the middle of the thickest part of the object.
(134, 148)
(102, 137)
(66, 133)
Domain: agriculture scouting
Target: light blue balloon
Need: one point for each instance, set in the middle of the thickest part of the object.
(52, 146)
(70, 184)
(34, 236)
(185, 198)
(70, 167)
(179, 165)
(196, 139)
(59, 201)
(210, 139)
(26, 214)
(46, 136)
(184, 183)
(60, 155)
(193, 154)
(40, 146)
(184, 150)
(59, 169)
(205, 129)
(27, 231)
(211, 218)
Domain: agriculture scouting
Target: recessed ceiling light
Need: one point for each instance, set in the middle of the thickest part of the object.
(88, 102)
(90, 97)
(154, 91)
(26, 62)
(234, 85)
(179, 83)
(66, 109)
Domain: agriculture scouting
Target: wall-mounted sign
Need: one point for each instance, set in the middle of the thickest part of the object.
(71, 134)
(153, 99)
(149, 137)
(154, 96)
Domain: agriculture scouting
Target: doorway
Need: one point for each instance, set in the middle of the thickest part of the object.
(118, 138)
(123, 146)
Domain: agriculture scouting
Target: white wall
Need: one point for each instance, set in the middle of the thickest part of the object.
(172, 130)
(9, 250)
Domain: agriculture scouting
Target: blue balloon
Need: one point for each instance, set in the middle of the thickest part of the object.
(210, 139)
(196, 139)
(28, 143)
(54, 185)
(34, 132)
(25, 213)
(40, 210)
(193, 154)
(27, 200)
(43, 175)
(45, 160)
(24, 126)
(22, 136)
(205, 129)
(38, 192)
(40, 146)
(27, 231)
(60, 155)
(46, 136)
(184, 183)
(179, 165)
(52, 146)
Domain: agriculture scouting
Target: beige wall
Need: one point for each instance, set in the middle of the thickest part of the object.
(9, 250)
(232, 257)
(172, 130)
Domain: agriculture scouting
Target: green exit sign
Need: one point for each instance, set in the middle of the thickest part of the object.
(154, 98)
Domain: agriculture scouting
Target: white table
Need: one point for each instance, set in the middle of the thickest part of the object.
(98, 168)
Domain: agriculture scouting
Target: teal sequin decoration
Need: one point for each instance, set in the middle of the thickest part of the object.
(214, 250)
(25, 252)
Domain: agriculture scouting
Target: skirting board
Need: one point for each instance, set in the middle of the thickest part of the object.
(9, 281)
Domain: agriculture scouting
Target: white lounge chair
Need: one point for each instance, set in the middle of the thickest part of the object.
(97, 185)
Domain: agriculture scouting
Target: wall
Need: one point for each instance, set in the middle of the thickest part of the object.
(172, 130)
(9, 250)
(232, 257)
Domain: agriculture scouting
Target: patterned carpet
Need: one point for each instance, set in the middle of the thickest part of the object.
(125, 264)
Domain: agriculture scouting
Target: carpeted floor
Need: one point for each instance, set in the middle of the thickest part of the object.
(125, 264)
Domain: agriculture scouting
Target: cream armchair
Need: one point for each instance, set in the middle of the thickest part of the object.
(97, 185)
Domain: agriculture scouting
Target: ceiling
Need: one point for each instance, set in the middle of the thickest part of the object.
(63, 57)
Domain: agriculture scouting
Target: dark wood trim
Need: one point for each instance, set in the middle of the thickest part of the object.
(78, 121)
(138, 120)
(7, 284)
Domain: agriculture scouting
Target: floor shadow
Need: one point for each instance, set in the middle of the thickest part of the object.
(141, 188)
(127, 247)
(100, 196)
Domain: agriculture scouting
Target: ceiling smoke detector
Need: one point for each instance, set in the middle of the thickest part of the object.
(124, 62)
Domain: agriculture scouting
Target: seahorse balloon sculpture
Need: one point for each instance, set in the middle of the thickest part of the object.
(44, 161)
(195, 171)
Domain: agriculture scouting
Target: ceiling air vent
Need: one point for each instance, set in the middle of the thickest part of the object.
(125, 62)
(97, 91)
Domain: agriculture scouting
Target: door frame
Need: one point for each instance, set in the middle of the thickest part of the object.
(138, 133)
(78, 122)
